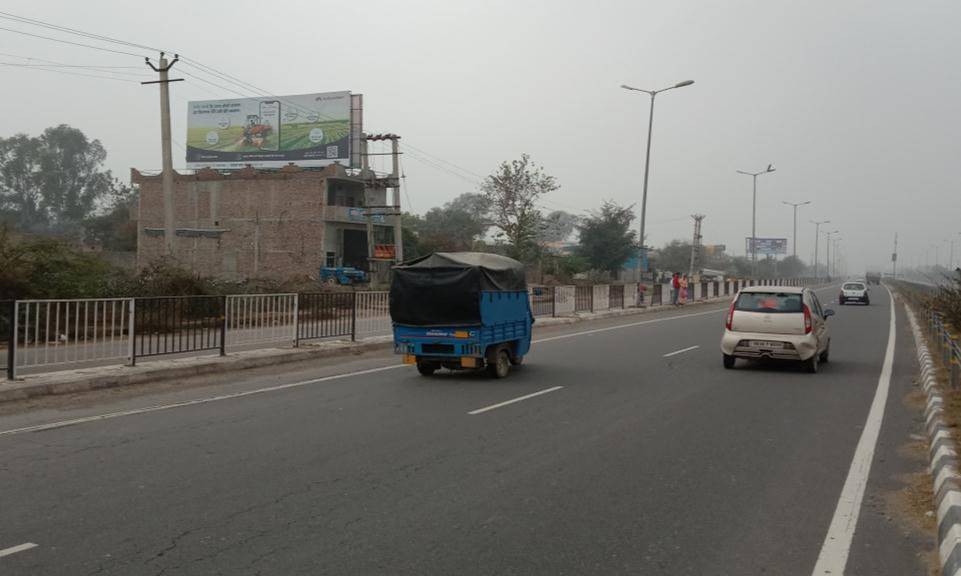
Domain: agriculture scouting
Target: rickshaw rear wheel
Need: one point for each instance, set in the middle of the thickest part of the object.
(499, 364)
(426, 368)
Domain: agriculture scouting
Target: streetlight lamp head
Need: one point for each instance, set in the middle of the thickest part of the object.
(684, 83)
(770, 168)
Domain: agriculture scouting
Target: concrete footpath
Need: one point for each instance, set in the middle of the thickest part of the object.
(102, 377)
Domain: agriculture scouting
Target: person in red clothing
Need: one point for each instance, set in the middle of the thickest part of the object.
(675, 288)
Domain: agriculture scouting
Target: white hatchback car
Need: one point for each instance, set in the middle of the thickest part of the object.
(779, 322)
(854, 292)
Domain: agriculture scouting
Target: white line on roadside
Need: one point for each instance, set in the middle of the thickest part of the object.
(837, 542)
(681, 351)
(15, 549)
(513, 400)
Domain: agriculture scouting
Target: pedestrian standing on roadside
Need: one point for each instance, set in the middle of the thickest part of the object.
(684, 283)
(675, 288)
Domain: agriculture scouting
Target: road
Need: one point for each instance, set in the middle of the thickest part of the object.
(630, 450)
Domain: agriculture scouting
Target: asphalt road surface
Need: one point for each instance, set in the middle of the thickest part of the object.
(628, 450)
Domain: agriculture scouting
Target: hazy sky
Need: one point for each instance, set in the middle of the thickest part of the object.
(856, 102)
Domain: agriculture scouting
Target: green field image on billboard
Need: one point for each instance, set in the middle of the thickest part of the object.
(294, 136)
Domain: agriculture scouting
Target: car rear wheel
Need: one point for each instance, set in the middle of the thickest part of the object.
(729, 361)
(813, 364)
(500, 365)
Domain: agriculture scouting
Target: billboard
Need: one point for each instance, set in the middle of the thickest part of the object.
(270, 132)
(767, 246)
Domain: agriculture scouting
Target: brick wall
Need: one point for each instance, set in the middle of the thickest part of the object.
(243, 225)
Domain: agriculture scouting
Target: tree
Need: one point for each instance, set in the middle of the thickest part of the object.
(512, 193)
(791, 267)
(557, 227)
(675, 256)
(53, 182)
(606, 238)
(455, 226)
(115, 228)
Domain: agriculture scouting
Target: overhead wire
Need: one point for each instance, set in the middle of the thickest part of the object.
(68, 72)
(62, 41)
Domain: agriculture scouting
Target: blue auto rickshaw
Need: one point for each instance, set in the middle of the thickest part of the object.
(461, 311)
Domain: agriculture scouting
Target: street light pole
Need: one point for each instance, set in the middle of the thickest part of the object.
(754, 175)
(827, 256)
(817, 236)
(796, 205)
(647, 160)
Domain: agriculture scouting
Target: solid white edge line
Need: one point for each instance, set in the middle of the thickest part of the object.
(837, 542)
(15, 549)
(514, 400)
(682, 350)
(158, 408)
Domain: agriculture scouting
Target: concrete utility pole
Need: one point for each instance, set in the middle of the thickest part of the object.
(167, 175)
(395, 176)
(754, 175)
(817, 236)
(796, 205)
(647, 161)
(696, 244)
(894, 258)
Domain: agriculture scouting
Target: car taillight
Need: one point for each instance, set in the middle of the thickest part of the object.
(730, 317)
(807, 320)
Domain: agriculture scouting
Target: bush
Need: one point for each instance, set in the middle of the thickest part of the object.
(50, 268)
(948, 301)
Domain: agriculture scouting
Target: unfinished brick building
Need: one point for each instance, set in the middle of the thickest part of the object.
(262, 224)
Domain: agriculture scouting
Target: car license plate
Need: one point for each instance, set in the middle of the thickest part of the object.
(766, 344)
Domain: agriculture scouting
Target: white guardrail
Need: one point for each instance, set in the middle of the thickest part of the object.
(59, 332)
(254, 319)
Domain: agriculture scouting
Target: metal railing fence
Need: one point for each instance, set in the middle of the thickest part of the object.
(947, 347)
(373, 314)
(57, 334)
(615, 298)
(583, 298)
(542, 300)
(260, 319)
(178, 325)
(327, 315)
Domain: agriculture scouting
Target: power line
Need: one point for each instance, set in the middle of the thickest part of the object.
(62, 41)
(27, 67)
(75, 31)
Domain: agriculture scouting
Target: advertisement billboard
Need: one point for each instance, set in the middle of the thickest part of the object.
(767, 246)
(270, 132)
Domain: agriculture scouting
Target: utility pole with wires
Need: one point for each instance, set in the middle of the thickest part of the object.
(167, 176)
(894, 258)
(696, 244)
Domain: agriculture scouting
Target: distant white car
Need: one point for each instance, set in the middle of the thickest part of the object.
(778, 322)
(854, 292)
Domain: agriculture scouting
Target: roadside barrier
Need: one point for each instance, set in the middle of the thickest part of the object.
(46, 335)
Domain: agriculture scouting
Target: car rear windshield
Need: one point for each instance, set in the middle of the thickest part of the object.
(853, 286)
(769, 302)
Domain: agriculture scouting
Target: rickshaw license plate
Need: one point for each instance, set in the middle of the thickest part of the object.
(410, 359)
(766, 344)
